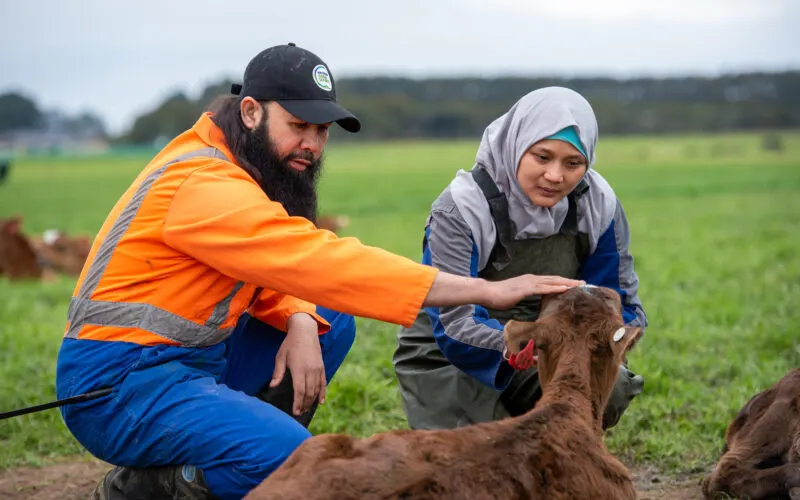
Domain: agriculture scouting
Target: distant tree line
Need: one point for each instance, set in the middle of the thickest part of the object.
(404, 108)
(19, 112)
(399, 108)
(463, 107)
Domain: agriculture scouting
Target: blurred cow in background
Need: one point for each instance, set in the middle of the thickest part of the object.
(39, 257)
(18, 259)
(61, 252)
(333, 223)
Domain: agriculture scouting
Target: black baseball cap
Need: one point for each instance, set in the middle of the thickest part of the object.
(299, 81)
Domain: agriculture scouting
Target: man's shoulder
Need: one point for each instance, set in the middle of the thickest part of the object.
(199, 158)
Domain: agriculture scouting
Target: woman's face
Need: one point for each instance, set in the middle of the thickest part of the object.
(549, 170)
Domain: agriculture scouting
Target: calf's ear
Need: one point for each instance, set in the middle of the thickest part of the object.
(625, 338)
(518, 333)
(12, 225)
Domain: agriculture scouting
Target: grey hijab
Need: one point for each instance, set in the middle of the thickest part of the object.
(534, 117)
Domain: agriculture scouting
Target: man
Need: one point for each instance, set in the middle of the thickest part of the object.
(208, 287)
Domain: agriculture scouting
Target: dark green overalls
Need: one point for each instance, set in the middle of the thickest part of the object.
(436, 394)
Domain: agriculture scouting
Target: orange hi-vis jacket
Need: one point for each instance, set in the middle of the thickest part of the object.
(194, 242)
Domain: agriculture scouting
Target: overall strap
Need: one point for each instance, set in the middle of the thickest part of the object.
(498, 204)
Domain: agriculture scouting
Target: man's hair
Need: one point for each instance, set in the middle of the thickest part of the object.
(255, 153)
(227, 116)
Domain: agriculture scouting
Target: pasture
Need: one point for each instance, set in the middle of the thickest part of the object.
(715, 230)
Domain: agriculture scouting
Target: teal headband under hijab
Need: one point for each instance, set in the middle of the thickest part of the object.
(569, 135)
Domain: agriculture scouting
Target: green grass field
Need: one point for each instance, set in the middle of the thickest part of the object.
(715, 225)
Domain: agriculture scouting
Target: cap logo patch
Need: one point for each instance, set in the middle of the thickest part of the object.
(322, 78)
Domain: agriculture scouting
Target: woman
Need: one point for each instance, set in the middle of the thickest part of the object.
(531, 204)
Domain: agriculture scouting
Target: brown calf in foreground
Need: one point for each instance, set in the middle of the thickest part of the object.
(555, 451)
(761, 456)
(18, 260)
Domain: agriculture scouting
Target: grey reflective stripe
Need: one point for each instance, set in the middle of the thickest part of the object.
(83, 310)
(146, 317)
(223, 307)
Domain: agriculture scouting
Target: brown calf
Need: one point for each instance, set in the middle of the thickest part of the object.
(18, 260)
(62, 253)
(555, 451)
(761, 456)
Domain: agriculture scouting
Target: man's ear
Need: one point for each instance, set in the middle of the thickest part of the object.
(625, 338)
(251, 112)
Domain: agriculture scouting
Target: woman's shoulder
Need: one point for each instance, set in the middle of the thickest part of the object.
(462, 206)
(461, 195)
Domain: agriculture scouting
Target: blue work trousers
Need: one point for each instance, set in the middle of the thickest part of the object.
(176, 405)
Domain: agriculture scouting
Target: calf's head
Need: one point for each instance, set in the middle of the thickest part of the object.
(582, 326)
(61, 252)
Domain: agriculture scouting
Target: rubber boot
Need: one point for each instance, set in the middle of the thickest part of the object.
(173, 482)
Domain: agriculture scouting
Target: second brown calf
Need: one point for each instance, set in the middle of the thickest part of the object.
(761, 457)
(555, 451)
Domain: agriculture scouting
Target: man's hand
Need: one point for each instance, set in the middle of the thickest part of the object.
(451, 290)
(507, 293)
(302, 354)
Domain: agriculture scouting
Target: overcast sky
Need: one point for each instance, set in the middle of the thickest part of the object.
(120, 58)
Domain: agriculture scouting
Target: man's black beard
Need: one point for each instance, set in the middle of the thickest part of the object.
(295, 190)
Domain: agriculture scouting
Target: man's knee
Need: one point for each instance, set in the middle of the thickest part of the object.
(268, 456)
(345, 328)
(627, 386)
(262, 458)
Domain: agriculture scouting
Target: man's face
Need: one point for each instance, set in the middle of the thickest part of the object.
(288, 153)
(300, 143)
